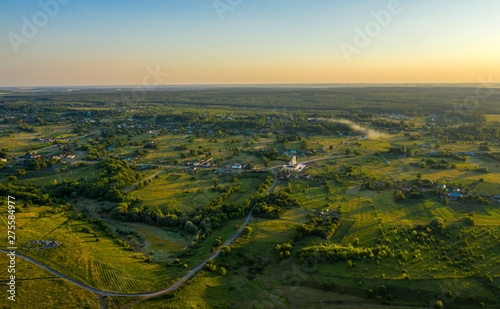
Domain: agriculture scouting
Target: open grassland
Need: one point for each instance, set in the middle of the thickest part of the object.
(190, 191)
(50, 175)
(176, 189)
(418, 272)
(158, 243)
(103, 264)
(9, 137)
(492, 118)
(37, 288)
(277, 286)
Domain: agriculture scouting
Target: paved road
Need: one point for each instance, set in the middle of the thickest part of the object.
(151, 294)
(191, 273)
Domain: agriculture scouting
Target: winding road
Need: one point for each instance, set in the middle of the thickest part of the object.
(144, 296)
(191, 273)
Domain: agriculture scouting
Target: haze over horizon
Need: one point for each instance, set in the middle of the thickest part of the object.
(249, 42)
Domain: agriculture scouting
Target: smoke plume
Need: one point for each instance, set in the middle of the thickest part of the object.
(369, 133)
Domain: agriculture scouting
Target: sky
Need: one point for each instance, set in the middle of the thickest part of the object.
(173, 42)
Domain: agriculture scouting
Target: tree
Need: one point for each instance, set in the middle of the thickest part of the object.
(469, 220)
(20, 172)
(217, 242)
(438, 304)
(445, 201)
(12, 178)
(437, 223)
(400, 197)
(246, 231)
(222, 271)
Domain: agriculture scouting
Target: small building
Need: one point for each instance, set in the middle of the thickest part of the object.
(454, 196)
(293, 161)
(300, 167)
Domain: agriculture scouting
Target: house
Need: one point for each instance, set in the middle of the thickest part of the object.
(236, 166)
(285, 176)
(379, 184)
(454, 196)
(455, 190)
(406, 189)
(300, 167)
(206, 164)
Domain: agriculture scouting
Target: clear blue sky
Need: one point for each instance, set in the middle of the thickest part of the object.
(90, 42)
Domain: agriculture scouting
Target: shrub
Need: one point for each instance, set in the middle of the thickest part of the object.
(222, 271)
(469, 220)
(400, 197)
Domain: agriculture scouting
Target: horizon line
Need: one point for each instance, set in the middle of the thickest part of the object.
(154, 87)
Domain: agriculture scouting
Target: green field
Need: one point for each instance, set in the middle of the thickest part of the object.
(369, 227)
(35, 286)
